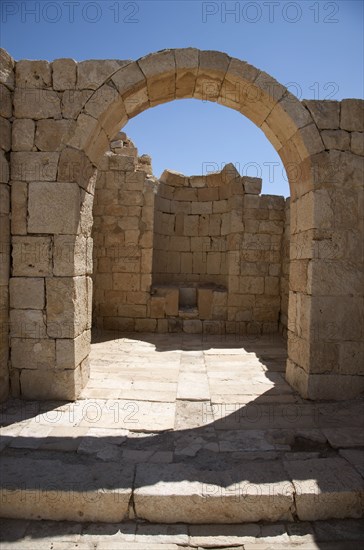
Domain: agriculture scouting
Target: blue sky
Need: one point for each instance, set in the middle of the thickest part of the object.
(313, 47)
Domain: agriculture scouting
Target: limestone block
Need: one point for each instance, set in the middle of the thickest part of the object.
(75, 166)
(202, 496)
(53, 208)
(33, 354)
(6, 103)
(36, 103)
(5, 134)
(211, 72)
(147, 325)
(192, 326)
(31, 256)
(186, 71)
(26, 293)
(132, 310)
(90, 483)
(71, 352)
(50, 134)
(27, 323)
(351, 358)
(4, 199)
(325, 113)
(352, 115)
(204, 303)
(325, 488)
(64, 74)
(287, 117)
(73, 102)
(70, 255)
(336, 139)
(252, 186)
(208, 194)
(171, 300)
(160, 71)
(126, 281)
(252, 285)
(19, 201)
(357, 143)
(31, 166)
(33, 74)
(4, 168)
(6, 69)
(67, 306)
(191, 226)
(23, 134)
(157, 307)
(174, 179)
(107, 106)
(91, 74)
(271, 285)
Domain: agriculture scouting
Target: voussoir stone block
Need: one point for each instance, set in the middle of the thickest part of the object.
(70, 255)
(53, 207)
(94, 72)
(64, 74)
(27, 293)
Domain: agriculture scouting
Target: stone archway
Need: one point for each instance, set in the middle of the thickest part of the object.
(109, 93)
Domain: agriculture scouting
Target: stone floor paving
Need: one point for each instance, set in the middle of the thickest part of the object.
(184, 428)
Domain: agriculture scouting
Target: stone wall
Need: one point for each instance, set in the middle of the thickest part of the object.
(284, 282)
(123, 239)
(6, 111)
(216, 245)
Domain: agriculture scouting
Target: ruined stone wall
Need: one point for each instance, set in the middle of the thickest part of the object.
(284, 282)
(6, 111)
(123, 238)
(216, 245)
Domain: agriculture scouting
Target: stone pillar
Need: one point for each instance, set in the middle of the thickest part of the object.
(325, 332)
(6, 92)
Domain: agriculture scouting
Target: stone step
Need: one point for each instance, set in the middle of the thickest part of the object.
(270, 491)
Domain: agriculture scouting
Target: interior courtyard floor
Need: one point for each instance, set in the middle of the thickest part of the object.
(184, 429)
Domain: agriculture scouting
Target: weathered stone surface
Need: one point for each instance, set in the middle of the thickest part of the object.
(252, 186)
(27, 323)
(180, 493)
(326, 488)
(33, 354)
(33, 74)
(23, 134)
(53, 208)
(336, 139)
(4, 168)
(326, 114)
(357, 143)
(27, 293)
(53, 478)
(94, 72)
(5, 134)
(73, 102)
(31, 256)
(70, 353)
(19, 201)
(129, 79)
(352, 115)
(36, 103)
(69, 255)
(6, 104)
(67, 306)
(6, 69)
(31, 166)
(64, 74)
(51, 134)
